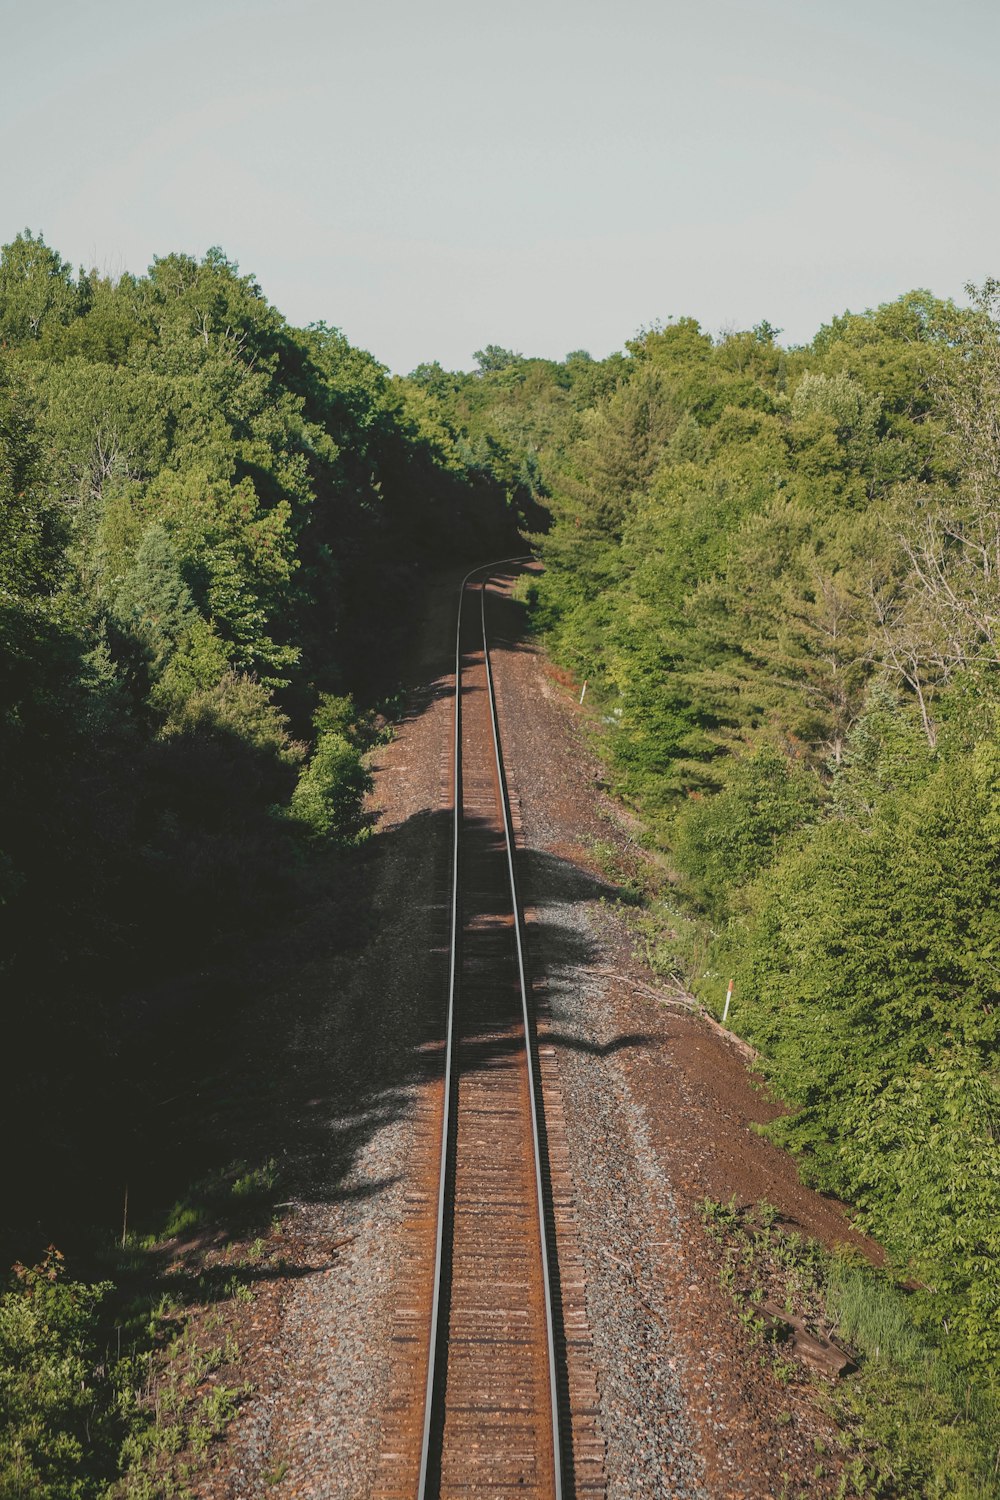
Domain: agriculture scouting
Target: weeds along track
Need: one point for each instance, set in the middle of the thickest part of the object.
(485, 1330)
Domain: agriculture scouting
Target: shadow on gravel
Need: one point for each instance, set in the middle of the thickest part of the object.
(603, 1049)
(318, 1045)
(546, 877)
(264, 1077)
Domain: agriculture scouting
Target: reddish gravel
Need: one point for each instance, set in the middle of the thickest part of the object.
(658, 1109)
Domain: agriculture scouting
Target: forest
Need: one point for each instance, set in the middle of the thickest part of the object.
(778, 572)
(777, 569)
(213, 526)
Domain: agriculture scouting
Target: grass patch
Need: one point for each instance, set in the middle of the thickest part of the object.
(525, 591)
(921, 1429)
(632, 884)
(910, 1426)
(678, 946)
(238, 1196)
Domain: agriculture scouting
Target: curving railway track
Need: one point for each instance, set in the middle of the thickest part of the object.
(490, 1346)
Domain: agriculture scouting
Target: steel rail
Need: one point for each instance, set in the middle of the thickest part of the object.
(425, 1447)
(530, 1058)
(446, 1127)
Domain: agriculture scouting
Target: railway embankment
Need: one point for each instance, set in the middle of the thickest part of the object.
(650, 1113)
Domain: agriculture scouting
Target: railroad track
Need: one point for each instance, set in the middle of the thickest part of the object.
(492, 1344)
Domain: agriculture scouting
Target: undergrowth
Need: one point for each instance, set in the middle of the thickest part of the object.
(676, 943)
(910, 1427)
(117, 1387)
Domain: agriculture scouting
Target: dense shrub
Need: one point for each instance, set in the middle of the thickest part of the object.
(793, 550)
(57, 1405)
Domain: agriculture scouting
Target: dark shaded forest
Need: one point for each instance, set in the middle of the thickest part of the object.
(216, 535)
(215, 528)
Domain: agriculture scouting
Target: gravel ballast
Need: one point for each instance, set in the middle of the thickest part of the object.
(659, 1115)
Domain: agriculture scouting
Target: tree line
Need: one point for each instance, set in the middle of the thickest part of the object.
(779, 571)
(215, 531)
(214, 527)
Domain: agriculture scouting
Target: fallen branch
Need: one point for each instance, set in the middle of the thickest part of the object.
(688, 1002)
(813, 1349)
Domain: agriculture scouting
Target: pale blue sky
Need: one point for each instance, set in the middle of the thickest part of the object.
(433, 176)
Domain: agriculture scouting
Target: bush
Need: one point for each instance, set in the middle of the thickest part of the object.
(55, 1400)
(722, 842)
(869, 982)
(328, 801)
(919, 1428)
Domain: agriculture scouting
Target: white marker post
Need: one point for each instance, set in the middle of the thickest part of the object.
(582, 691)
(729, 997)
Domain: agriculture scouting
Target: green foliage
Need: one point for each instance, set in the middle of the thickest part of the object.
(328, 799)
(790, 550)
(909, 1423)
(209, 518)
(868, 980)
(55, 1410)
(36, 289)
(718, 550)
(885, 755)
(109, 1389)
(235, 706)
(920, 1428)
(493, 359)
(33, 531)
(238, 1196)
(236, 557)
(153, 603)
(775, 568)
(720, 843)
(213, 527)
